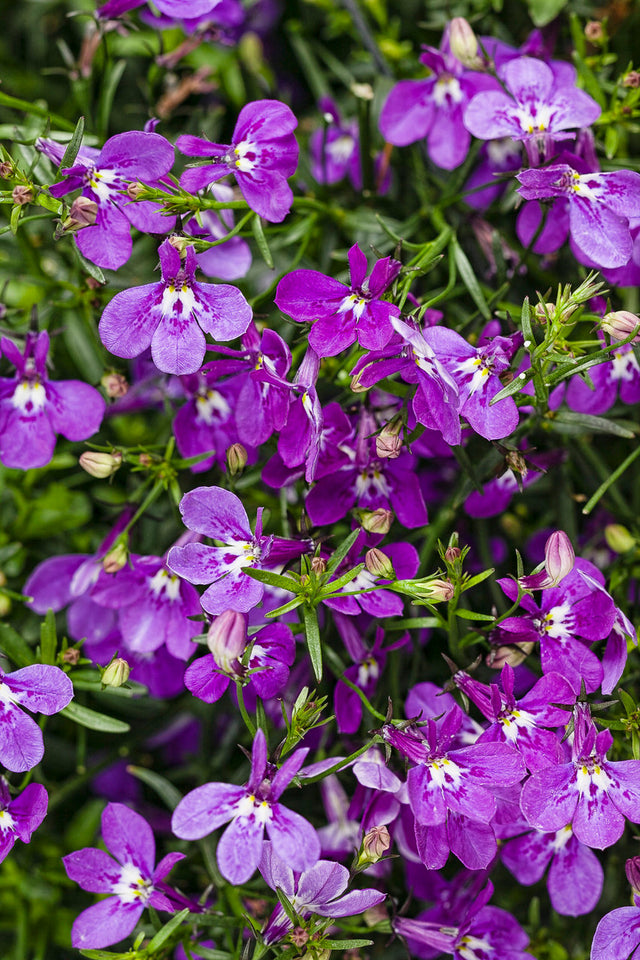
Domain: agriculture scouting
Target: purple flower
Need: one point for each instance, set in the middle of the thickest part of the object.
(543, 105)
(33, 409)
(21, 816)
(104, 178)
(172, 316)
(129, 875)
(619, 375)
(600, 205)
(319, 890)
(263, 153)
(334, 149)
(206, 422)
(342, 314)
(41, 689)
(591, 793)
(250, 809)
(219, 514)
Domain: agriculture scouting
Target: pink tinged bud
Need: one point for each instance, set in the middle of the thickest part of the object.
(618, 538)
(115, 385)
(100, 465)
(227, 641)
(379, 565)
(236, 458)
(594, 31)
(632, 870)
(620, 324)
(319, 566)
(22, 195)
(180, 243)
(388, 447)
(514, 655)
(464, 43)
(438, 590)
(376, 521)
(135, 190)
(375, 844)
(559, 556)
(115, 559)
(632, 79)
(116, 673)
(6, 169)
(452, 554)
(83, 213)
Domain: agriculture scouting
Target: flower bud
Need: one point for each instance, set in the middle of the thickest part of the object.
(632, 79)
(115, 559)
(544, 311)
(6, 169)
(135, 190)
(620, 324)
(379, 564)
(513, 654)
(180, 243)
(83, 213)
(632, 870)
(100, 465)
(426, 591)
(21, 195)
(452, 554)
(363, 91)
(5, 605)
(388, 442)
(319, 566)
(71, 656)
(559, 556)
(116, 673)
(376, 521)
(594, 31)
(145, 460)
(115, 385)
(236, 459)
(463, 43)
(375, 844)
(227, 640)
(618, 538)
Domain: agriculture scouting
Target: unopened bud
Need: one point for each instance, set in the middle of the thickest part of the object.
(388, 442)
(236, 459)
(71, 656)
(376, 521)
(319, 566)
(438, 590)
(620, 324)
(83, 213)
(299, 936)
(116, 673)
(632, 79)
(544, 311)
(100, 465)
(618, 538)
(115, 559)
(115, 385)
(379, 565)
(632, 870)
(594, 31)
(513, 654)
(464, 43)
(3, 579)
(180, 243)
(21, 195)
(426, 591)
(516, 462)
(452, 554)
(145, 460)
(356, 386)
(134, 190)
(6, 169)
(375, 844)
(227, 640)
(559, 556)
(363, 91)
(5, 605)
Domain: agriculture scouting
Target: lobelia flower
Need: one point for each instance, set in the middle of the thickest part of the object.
(105, 176)
(575, 877)
(251, 809)
(129, 875)
(33, 409)
(219, 514)
(342, 314)
(599, 208)
(618, 933)
(559, 558)
(320, 890)
(590, 792)
(173, 315)
(618, 376)
(544, 104)
(206, 422)
(21, 816)
(334, 149)
(267, 670)
(263, 153)
(40, 688)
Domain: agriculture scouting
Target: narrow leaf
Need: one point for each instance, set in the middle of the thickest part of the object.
(17, 649)
(470, 280)
(472, 615)
(94, 720)
(261, 240)
(342, 550)
(169, 794)
(73, 147)
(273, 579)
(312, 631)
(163, 935)
(48, 638)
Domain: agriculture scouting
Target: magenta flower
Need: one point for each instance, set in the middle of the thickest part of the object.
(219, 514)
(41, 689)
(319, 890)
(251, 809)
(105, 177)
(342, 314)
(173, 316)
(129, 875)
(33, 409)
(21, 816)
(263, 153)
(591, 793)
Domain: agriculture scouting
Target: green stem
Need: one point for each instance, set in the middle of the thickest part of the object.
(610, 480)
(243, 710)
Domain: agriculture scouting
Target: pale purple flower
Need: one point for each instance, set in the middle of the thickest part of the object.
(219, 514)
(40, 688)
(618, 934)
(320, 890)
(33, 409)
(129, 875)
(251, 809)
(172, 316)
(342, 314)
(544, 104)
(590, 792)
(104, 177)
(206, 423)
(334, 149)
(263, 153)
(20, 816)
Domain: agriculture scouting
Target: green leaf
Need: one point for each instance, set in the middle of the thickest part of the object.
(472, 615)
(347, 944)
(312, 632)
(89, 267)
(48, 638)
(543, 12)
(586, 422)
(479, 578)
(83, 345)
(16, 213)
(73, 147)
(342, 550)
(261, 240)
(514, 387)
(274, 579)
(285, 608)
(169, 794)
(414, 623)
(627, 701)
(470, 280)
(108, 86)
(94, 720)
(104, 955)
(163, 935)
(335, 585)
(17, 649)
(57, 509)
